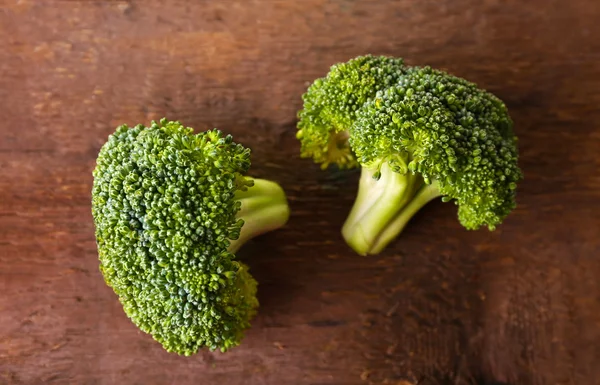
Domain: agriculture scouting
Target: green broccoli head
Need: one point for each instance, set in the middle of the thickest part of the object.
(430, 135)
(331, 103)
(170, 208)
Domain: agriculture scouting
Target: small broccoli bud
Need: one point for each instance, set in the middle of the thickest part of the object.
(166, 207)
(331, 103)
(433, 135)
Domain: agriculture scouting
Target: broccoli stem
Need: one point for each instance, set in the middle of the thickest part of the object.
(425, 194)
(383, 207)
(264, 208)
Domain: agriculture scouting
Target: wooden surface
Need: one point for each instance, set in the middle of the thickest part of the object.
(517, 306)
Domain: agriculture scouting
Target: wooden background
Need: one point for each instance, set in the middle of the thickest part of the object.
(441, 305)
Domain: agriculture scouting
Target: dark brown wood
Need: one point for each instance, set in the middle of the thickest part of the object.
(518, 306)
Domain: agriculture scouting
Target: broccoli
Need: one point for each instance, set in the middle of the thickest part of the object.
(428, 135)
(331, 103)
(170, 209)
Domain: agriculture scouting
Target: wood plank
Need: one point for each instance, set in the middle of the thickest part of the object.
(517, 306)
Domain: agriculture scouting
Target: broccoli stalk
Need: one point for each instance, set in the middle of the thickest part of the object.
(385, 202)
(263, 208)
(424, 195)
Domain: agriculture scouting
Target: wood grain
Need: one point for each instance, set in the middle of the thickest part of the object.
(442, 305)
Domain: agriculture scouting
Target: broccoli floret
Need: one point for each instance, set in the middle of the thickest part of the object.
(331, 103)
(429, 135)
(170, 209)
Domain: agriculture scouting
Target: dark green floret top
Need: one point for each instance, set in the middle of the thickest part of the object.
(170, 207)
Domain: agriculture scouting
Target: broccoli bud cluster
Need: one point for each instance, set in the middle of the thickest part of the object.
(165, 208)
(417, 133)
(331, 104)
